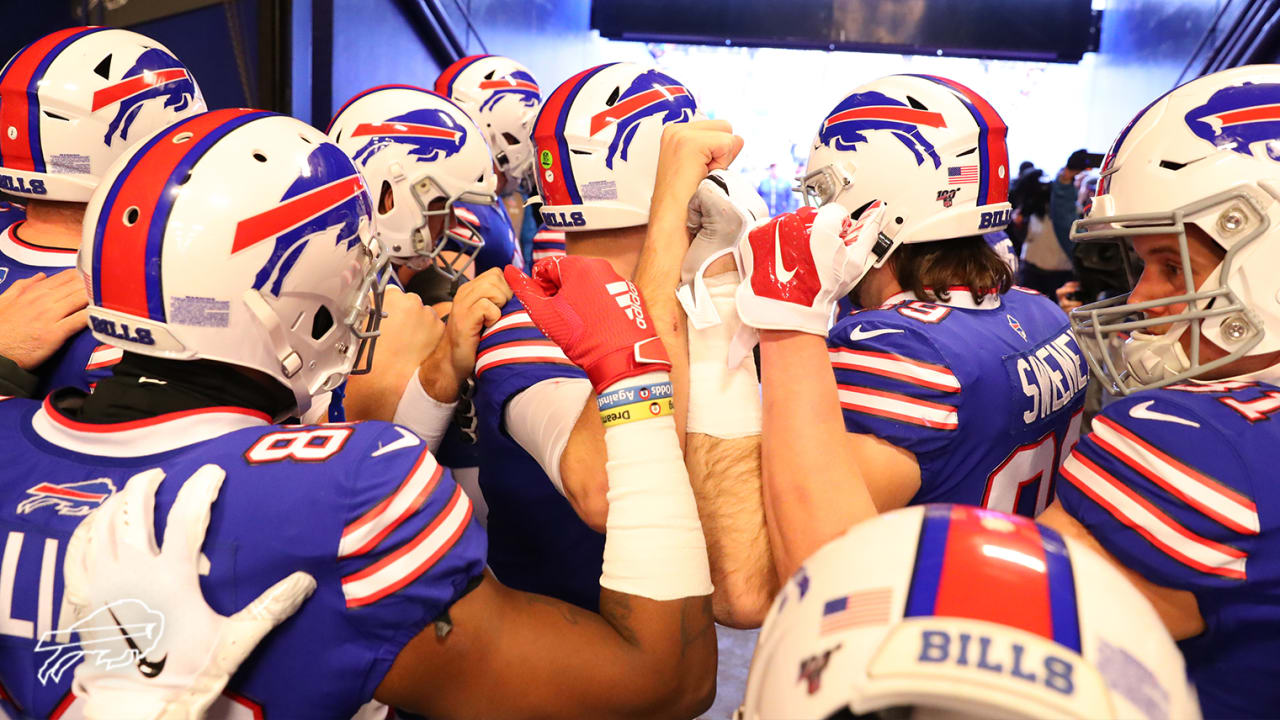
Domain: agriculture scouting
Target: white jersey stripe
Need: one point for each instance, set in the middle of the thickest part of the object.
(515, 319)
(895, 366)
(365, 533)
(903, 408)
(523, 351)
(413, 558)
(104, 356)
(1158, 528)
(1202, 493)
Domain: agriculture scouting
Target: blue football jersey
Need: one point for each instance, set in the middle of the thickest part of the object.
(82, 360)
(1175, 483)
(986, 396)
(500, 246)
(362, 507)
(11, 213)
(546, 243)
(537, 542)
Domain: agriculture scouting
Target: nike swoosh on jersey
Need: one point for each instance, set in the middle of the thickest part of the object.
(859, 334)
(784, 275)
(407, 440)
(1143, 411)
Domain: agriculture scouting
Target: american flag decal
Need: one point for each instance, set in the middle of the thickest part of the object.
(869, 607)
(963, 175)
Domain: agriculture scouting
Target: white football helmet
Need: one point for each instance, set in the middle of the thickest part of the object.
(597, 140)
(242, 237)
(929, 149)
(74, 101)
(960, 612)
(1205, 154)
(420, 154)
(503, 98)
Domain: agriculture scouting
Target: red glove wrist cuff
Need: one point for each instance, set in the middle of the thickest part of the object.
(623, 363)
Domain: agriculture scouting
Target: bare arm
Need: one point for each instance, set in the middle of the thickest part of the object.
(517, 655)
(724, 473)
(813, 482)
(1177, 608)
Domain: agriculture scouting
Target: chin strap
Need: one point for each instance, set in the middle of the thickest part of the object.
(1152, 358)
(290, 360)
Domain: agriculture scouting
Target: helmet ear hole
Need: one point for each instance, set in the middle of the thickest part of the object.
(321, 323)
(613, 97)
(104, 68)
(916, 103)
(386, 199)
(511, 139)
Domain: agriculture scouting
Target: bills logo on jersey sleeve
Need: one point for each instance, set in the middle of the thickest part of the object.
(1237, 118)
(651, 93)
(313, 206)
(860, 113)
(75, 499)
(156, 75)
(519, 85)
(430, 135)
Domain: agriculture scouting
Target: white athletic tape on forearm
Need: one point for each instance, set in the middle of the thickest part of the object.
(724, 401)
(427, 417)
(653, 545)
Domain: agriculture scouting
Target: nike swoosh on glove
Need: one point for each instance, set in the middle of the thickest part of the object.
(595, 316)
(797, 265)
(173, 654)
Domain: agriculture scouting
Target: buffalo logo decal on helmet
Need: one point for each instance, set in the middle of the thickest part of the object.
(155, 75)
(860, 113)
(313, 204)
(519, 84)
(1235, 118)
(430, 135)
(651, 93)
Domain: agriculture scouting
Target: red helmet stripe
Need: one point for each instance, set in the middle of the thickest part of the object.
(444, 83)
(548, 136)
(19, 103)
(993, 150)
(127, 268)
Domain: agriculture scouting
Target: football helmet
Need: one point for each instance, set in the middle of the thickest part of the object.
(420, 154)
(74, 101)
(597, 140)
(1205, 154)
(929, 149)
(238, 236)
(957, 611)
(503, 98)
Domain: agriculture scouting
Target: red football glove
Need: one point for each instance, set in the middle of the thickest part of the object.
(596, 317)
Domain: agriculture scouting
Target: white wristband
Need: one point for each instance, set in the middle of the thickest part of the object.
(653, 545)
(427, 417)
(724, 401)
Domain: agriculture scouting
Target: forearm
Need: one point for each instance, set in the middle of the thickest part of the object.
(725, 475)
(657, 275)
(813, 487)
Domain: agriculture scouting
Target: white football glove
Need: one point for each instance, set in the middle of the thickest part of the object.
(796, 266)
(154, 649)
(721, 211)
